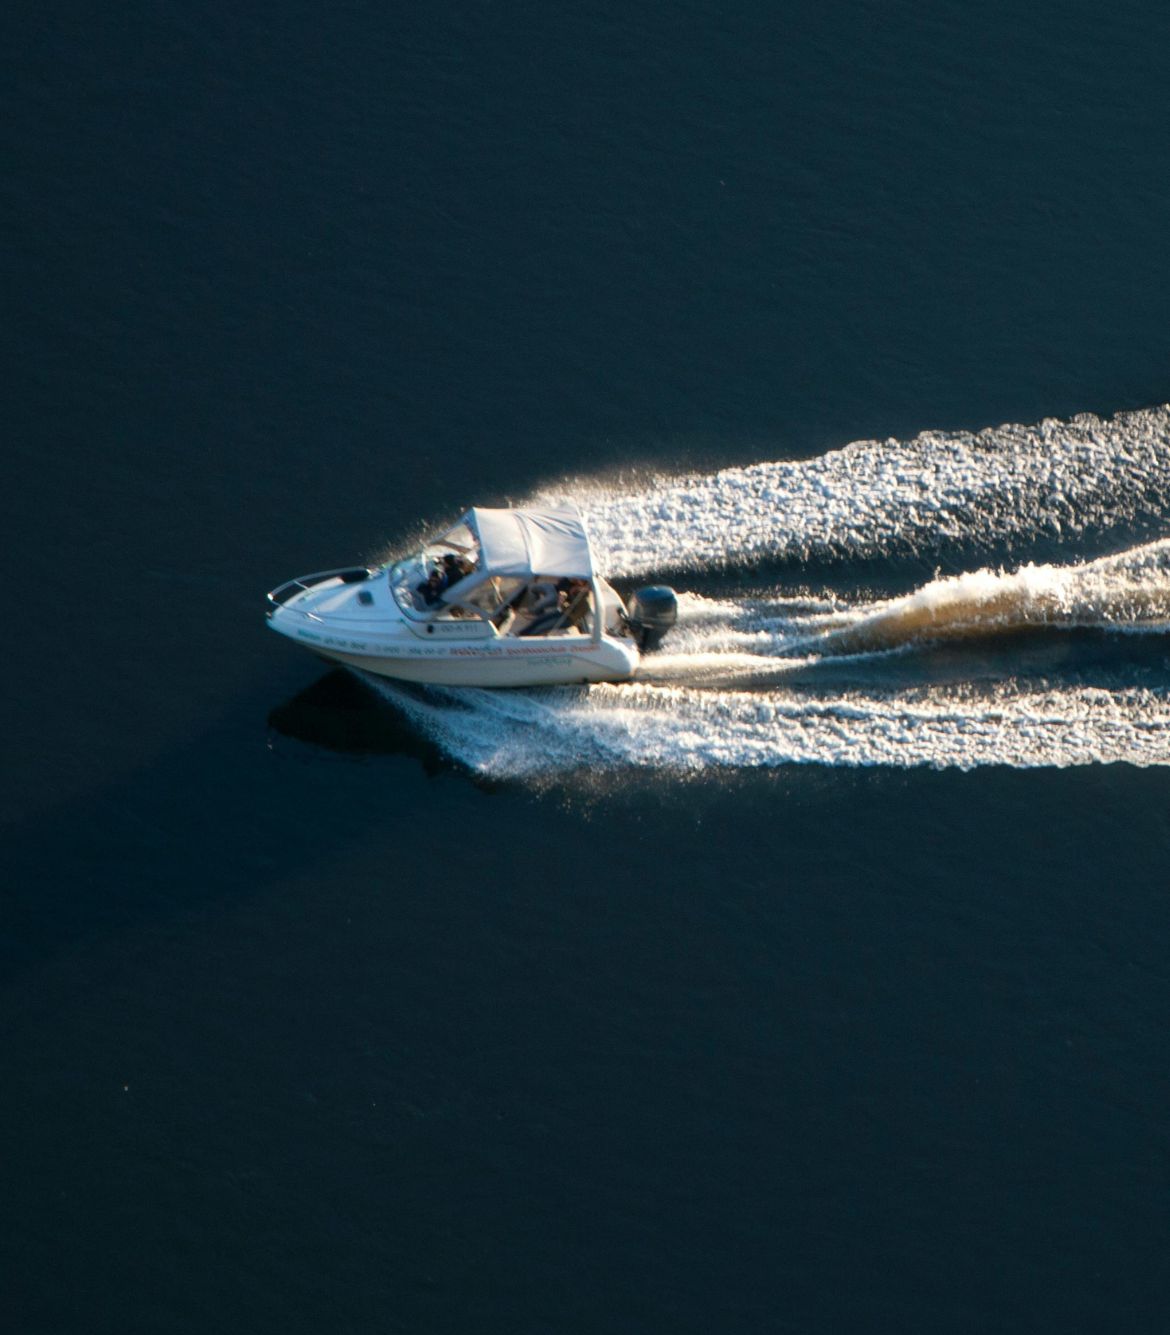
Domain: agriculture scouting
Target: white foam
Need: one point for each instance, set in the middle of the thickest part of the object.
(1130, 590)
(875, 498)
(686, 731)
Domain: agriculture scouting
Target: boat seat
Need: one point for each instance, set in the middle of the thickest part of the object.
(542, 625)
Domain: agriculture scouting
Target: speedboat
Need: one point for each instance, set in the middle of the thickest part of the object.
(502, 598)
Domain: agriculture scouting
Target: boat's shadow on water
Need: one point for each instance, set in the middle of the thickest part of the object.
(344, 713)
(340, 713)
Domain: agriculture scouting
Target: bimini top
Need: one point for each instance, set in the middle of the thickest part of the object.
(531, 542)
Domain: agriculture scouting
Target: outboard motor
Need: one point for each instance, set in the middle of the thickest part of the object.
(653, 611)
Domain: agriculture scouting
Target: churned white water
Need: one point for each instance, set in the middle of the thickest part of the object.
(526, 734)
(722, 692)
(888, 498)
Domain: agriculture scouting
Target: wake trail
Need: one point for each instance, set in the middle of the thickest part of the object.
(687, 731)
(774, 678)
(720, 694)
(940, 491)
(1129, 591)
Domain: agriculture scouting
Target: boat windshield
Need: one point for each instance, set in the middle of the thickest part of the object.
(420, 581)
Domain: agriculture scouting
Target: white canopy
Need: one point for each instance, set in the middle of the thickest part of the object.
(533, 542)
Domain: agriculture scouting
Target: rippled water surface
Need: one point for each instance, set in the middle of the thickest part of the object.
(814, 980)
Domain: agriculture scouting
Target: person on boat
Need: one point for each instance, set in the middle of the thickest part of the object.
(542, 606)
(575, 600)
(454, 568)
(431, 589)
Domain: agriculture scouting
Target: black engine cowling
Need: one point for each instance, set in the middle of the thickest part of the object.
(653, 611)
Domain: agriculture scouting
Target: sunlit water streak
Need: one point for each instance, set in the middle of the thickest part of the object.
(940, 491)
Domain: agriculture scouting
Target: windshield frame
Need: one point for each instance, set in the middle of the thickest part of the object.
(406, 574)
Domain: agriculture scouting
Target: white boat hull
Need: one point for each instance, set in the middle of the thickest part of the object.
(446, 654)
(505, 598)
(502, 666)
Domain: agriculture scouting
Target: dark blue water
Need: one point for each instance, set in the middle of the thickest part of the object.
(310, 1026)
